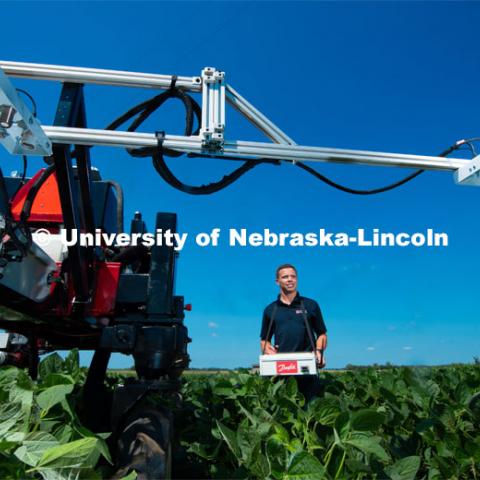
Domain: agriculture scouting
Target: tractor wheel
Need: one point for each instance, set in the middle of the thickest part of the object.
(145, 444)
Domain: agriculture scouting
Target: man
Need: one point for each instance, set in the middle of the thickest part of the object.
(285, 319)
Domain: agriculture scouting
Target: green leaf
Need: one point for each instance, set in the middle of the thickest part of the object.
(50, 424)
(223, 389)
(248, 440)
(25, 397)
(10, 416)
(8, 377)
(72, 363)
(366, 420)
(262, 466)
(131, 476)
(369, 445)
(326, 410)
(230, 439)
(404, 469)
(291, 388)
(77, 454)
(53, 379)
(102, 448)
(282, 434)
(264, 428)
(64, 433)
(16, 437)
(67, 408)
(342, 424)
(21, 391)
(201, 451)
(6, 446)
(303, 466)
(252, 419)
(34, 446)
(277, 453)
(51, 364)
(53, 395)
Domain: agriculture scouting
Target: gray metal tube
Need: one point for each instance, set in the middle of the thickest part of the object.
(256, 117)
(39, 71)
(249, 150)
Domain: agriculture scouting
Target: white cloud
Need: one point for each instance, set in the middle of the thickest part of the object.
(392, 328)
(408, 348)
(370, 349)
(215, 335)
(212, 325)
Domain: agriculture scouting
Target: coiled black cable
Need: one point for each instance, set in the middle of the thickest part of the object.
(192, 110)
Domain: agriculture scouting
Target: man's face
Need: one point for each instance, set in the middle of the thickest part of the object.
(287, 280)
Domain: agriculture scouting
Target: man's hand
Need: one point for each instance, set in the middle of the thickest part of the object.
(320, 354)
(320, 350)
(269, 348)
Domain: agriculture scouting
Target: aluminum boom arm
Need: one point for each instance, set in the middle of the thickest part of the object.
(211, 140)
(241, 149)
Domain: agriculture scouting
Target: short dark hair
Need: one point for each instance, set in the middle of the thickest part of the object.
(285, 265)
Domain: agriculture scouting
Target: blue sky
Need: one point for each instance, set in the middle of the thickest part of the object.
(395, 77)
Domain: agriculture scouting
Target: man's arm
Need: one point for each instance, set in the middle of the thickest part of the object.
(321, 331)
(322, 342)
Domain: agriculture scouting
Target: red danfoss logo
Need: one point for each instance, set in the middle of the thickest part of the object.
(290, 366)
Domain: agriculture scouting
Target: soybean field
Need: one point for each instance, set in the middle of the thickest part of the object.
(394, 423)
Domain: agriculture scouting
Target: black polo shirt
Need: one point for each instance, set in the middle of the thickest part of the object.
(289, 324)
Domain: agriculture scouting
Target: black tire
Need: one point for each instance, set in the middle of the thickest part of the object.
(145, 444)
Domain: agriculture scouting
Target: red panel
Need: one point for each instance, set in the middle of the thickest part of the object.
(108, 274)
(287, 366)
(46, 206)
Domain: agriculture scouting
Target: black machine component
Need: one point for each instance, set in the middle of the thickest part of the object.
(71, 113)
(144, 431)
(7, 113)
(145, 319)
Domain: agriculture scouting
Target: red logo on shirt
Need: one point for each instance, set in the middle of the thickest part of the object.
(290, 366)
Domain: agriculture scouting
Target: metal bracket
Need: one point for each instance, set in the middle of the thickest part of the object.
(20, 132)
(469, 174)
(213, 108)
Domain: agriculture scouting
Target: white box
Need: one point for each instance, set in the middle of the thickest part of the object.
(297, 363)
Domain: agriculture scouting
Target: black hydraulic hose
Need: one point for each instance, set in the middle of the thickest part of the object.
(163, 170)
(354, 191)
(32, 193)
(143, 111)
(374, 191)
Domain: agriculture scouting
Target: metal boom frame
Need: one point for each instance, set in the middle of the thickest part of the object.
(211, 139)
